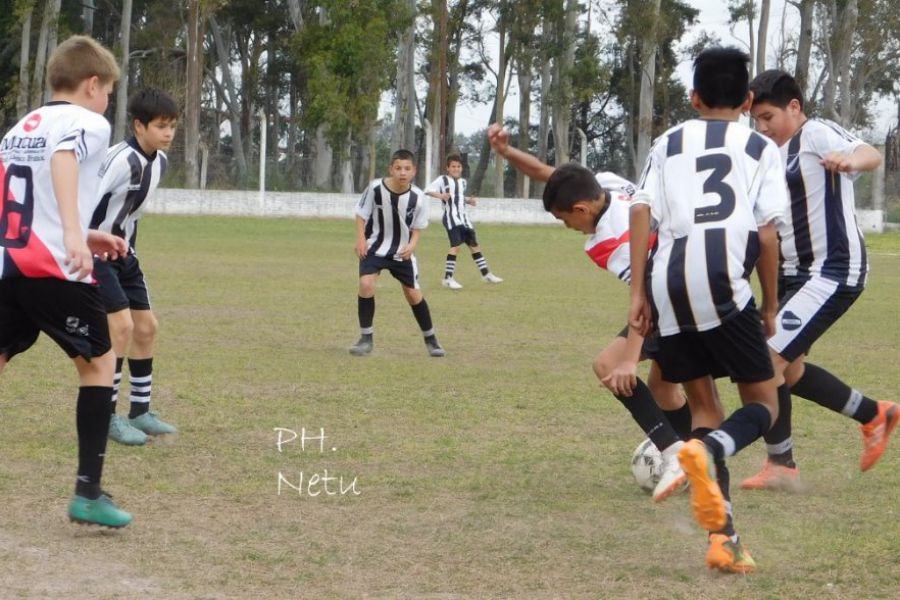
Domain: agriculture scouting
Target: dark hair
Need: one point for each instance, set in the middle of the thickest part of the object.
(776, 88)
(150, 103)
(721, 78)
(454, 158)
(569, 184)
(402, 154)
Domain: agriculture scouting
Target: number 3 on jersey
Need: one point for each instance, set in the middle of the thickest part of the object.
(17, 213)
(720, 164)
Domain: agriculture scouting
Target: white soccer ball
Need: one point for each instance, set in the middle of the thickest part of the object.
(646, 465)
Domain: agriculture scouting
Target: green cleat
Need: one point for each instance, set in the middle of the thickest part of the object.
(120, 430)
(101, 511)
(151, 424)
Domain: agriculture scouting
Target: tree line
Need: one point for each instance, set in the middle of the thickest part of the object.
(596, 79)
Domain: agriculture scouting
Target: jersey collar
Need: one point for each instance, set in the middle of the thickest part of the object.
(132, 141)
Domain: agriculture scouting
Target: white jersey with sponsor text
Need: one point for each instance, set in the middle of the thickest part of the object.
(709, 184)
(819, 234)
(31, 233)
(390, 217)
(129, 178)
(456, 213)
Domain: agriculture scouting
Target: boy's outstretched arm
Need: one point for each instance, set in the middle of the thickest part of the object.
(767, 271)
(864, 158)
(522, 161)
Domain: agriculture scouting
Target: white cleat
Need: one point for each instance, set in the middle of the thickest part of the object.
(491, 278)
(451, 283)
(672, 478)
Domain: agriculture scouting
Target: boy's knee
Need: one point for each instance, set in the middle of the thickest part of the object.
(145, 329)
(120, 330)
(602, 365)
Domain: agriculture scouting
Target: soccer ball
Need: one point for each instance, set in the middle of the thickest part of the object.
(646, 465)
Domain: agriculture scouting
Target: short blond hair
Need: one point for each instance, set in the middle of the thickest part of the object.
(79, 58)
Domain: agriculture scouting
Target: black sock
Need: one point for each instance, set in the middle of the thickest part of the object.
(680, 419)
(723, 478)
(365, 308)
(450, 266)
(779, 444)
(481, 262)
(140, 377)
(92, 423)
(745, 425)
(117, 381)
(649, 416)
(423, 318)
(826, 390)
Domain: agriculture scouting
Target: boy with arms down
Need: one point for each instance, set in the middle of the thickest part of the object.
(598, 206)
(450, 189)
(823, 269)
(131, 173)
(389, 219)
(714, 188)
(51, 162)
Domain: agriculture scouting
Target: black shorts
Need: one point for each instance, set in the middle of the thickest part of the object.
(650, 347)
(807, 309)
(460, 235)
(404, 271)
(736, 348)
(71, 313)
(122, 284)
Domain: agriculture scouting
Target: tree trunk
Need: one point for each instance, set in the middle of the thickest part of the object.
(763, 32)
(192, 96)
(484, 156)
(404, 132)
(501, 100)
(22, 104)
(544, 123)
(232, 101)
(87, 16)
(804, 45)
(323, 160)
(525, 76)
(562, 100)
(347, 166)
(49, 26)
(439, 89)
(648, 81)
(122, 89)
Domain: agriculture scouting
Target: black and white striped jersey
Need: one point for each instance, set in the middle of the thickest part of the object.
(455, 210)
(129, 178)
(709, 184)
(390, 217)
(819, 234)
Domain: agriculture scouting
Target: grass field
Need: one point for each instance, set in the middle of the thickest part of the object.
(500, 471)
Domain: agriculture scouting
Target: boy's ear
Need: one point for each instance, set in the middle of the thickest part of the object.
(747, 103)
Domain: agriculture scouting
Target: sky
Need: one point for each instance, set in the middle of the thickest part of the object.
(713, 18)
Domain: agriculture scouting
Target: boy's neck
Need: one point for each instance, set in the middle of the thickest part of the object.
(393, 186)
(147, 150)
(720, 114)
(70, 97)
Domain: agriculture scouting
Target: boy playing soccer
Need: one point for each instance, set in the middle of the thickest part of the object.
(714, 189)
(50, 162)
(389, 219)
(450, 189)
(823, 269)
(598, 206)
(131, 173)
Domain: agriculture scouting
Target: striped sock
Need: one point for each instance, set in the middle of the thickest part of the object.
(481, 261)
(140, 376)
(117, 381)
(450, 266)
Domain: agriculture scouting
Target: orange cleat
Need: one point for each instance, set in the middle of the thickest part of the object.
(706, 497)
(728, 556)
(772, 477)
(876, 433)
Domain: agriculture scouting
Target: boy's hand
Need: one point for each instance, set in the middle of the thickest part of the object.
(639, 316)
(361, 249)
(405, 251)
(498, 137)
(79, 257)
(768, 322)
(622, 380)
(106, 245)
(839, 162)
(445, 196)
(472, 200)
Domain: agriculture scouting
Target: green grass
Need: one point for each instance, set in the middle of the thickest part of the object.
(500, 471)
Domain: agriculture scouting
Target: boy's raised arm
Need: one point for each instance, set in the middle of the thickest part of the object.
(522, 161)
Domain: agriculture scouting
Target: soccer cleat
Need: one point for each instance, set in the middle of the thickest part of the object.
(151, 424)
(101, 511)
(706, 497)
(451, 283)
(672, 478)
(362, 347)
(434, 348)
(877, 431)
(120, 430)
(772, 476)
(491, 278)
(728, 556)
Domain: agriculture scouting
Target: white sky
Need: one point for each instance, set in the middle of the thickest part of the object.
(714, 19)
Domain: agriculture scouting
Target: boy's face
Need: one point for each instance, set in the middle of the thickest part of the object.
(455, 169)
(157, 134)
(780, 124)
(403, 171)
(582, 217)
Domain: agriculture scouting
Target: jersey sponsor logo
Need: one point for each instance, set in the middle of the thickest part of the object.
(15, 142)
(32, 122)
(790, 321)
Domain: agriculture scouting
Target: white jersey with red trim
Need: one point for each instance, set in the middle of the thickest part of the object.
(608, 247)
(31, 233)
